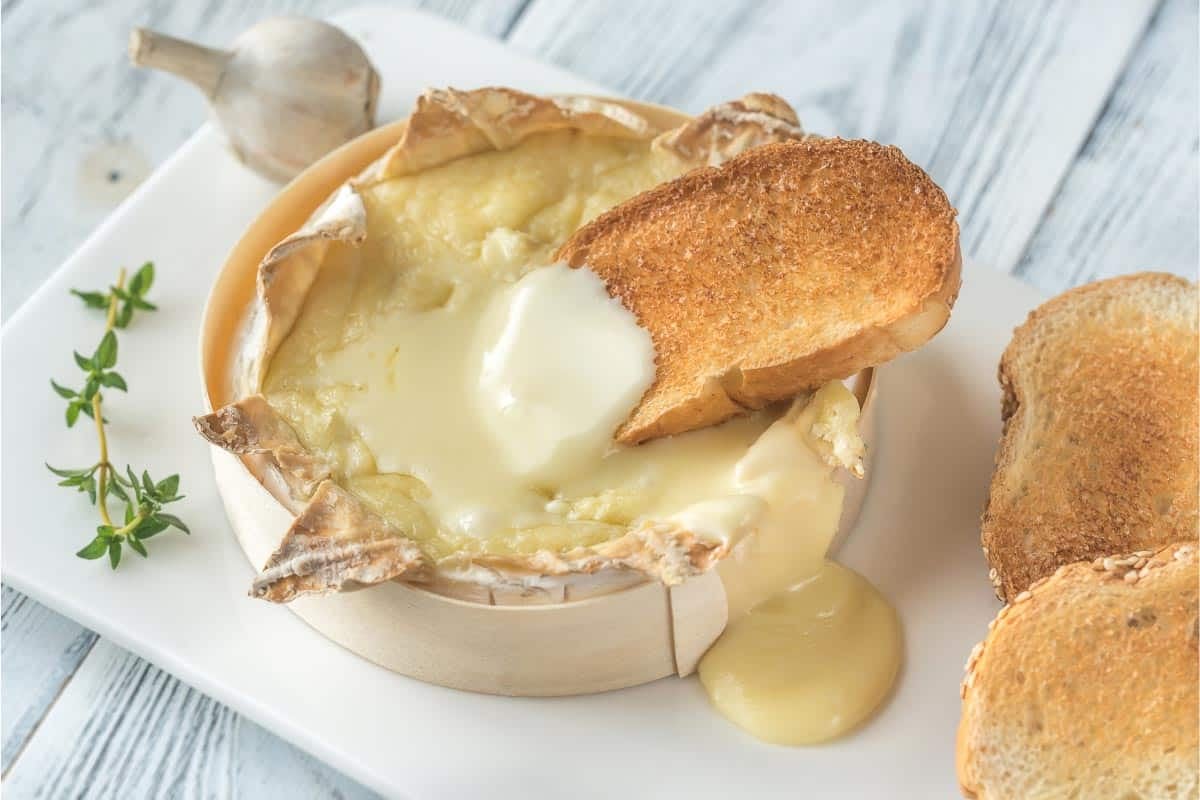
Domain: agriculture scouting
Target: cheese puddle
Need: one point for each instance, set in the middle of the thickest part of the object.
(808, 664)
(811, 648)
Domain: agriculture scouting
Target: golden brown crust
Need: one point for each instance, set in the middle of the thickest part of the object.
(1100, 445)
(792, 265)
(1086, 686)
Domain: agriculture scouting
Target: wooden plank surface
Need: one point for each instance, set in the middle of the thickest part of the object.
(996, 99)
(129, 730)
(1130, 200)
(40, 651)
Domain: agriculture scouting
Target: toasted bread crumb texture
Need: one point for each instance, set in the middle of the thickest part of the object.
(1086, 686)
(793, 264)
(1099, 451)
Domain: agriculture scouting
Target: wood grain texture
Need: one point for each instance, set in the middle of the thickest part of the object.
(40, 651)
(993, 99)
(1130, 200)
(125, 729)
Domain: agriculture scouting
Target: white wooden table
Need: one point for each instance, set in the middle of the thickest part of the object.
(1065, 133)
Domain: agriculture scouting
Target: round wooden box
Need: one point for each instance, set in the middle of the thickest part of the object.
(615, 631)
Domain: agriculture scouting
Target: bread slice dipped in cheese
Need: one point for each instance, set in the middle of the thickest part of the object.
(1086, 685)
(1100, 448)
(792, 265)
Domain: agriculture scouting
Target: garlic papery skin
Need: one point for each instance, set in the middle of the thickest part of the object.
(288, 90)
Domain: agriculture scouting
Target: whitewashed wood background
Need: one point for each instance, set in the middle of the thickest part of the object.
(1066, 134)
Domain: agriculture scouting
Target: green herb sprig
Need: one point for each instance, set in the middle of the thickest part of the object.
(143, 497)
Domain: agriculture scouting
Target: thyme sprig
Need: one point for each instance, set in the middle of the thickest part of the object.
(143, 497)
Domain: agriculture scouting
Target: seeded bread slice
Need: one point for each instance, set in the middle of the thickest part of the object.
(789, 266)
(1100, 445)
(1086, 686)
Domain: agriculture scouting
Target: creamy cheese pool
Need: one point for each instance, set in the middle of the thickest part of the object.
(382, 374)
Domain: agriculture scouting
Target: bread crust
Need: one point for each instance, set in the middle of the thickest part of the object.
(789, 266)
(1100, 443)
(1086, 685)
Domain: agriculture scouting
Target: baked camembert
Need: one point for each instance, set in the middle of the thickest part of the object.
(435, 399)
(438, 399)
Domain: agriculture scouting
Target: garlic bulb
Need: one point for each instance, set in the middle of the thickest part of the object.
(287, 92)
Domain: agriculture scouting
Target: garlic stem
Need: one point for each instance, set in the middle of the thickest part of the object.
(201, 66)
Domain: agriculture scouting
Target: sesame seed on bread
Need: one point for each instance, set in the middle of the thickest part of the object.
(1100, 445)
(1086, 685)
(788, 266)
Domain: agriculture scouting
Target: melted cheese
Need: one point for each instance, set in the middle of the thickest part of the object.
(562, 364)
(385, 375)
(811, 648)
(803, 506)
(810, 663)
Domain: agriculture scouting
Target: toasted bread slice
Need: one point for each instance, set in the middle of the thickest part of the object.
(1099, 451)
(1086, 686)
(789, 266)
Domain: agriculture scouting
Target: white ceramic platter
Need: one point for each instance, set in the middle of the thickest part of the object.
(186, 609)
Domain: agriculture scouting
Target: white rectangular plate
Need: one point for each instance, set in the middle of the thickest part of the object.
(187, 611)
